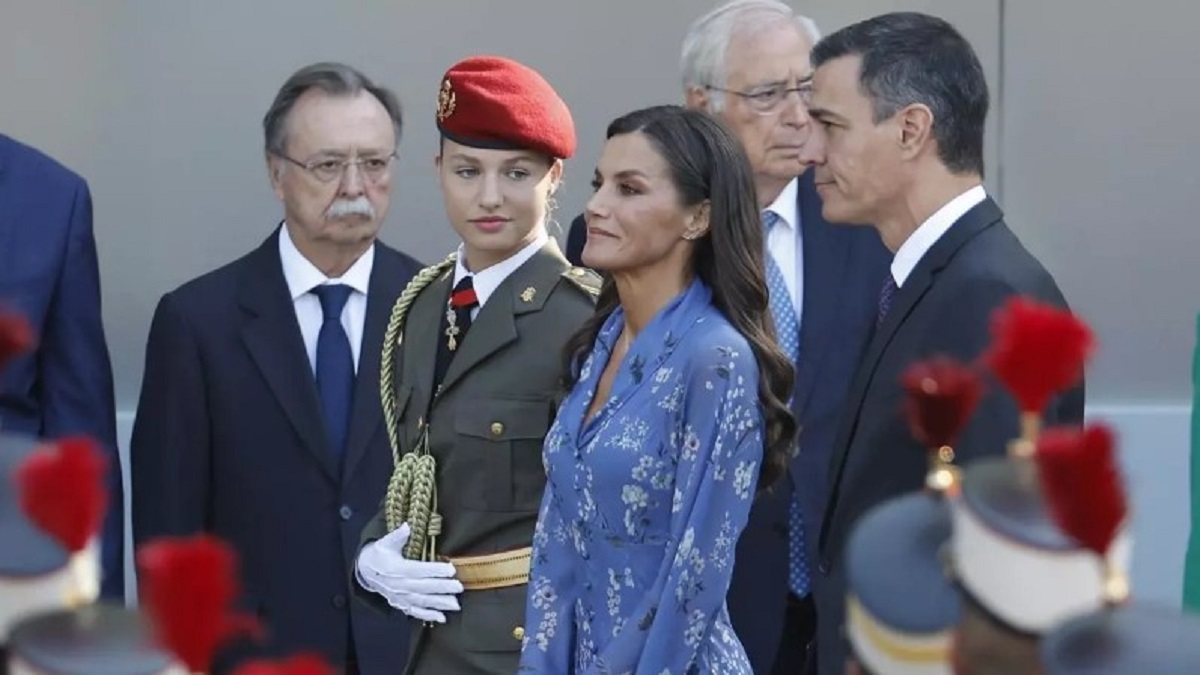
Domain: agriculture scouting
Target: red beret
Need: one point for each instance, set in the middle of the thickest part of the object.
(494, 102)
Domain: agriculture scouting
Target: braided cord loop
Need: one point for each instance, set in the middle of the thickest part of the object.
(412, 490)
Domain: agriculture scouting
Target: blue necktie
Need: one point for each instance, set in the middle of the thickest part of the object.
(335, 366)
(885, 299)
(787, 333)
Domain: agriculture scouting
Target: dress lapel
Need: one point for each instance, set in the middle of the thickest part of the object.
(649, 350)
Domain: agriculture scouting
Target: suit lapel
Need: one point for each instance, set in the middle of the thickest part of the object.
(272, 336)
(979, 218)
(824, 256)
(387, 281)
(496, 325)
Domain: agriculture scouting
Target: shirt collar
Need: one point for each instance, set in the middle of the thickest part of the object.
(785, 205)
(925, 236)
(486, 281)
(302, 276)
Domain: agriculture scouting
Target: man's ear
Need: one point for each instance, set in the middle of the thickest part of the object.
(915, 126)
(698, 98)
(275, 170)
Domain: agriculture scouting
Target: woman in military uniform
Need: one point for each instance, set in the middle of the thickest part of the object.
(473, 366)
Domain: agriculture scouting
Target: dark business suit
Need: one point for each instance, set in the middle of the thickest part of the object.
(576, 238)
(48, 272)
(843, 270)
(486, 427)
(944, 307)
(229, 439)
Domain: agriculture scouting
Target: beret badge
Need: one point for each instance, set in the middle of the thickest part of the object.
(445, 102)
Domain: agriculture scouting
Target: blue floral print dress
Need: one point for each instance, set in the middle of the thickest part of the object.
(635, 540)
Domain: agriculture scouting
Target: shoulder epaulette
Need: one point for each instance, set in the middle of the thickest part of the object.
(585, 279)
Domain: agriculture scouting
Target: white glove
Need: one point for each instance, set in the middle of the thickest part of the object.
(422, 590)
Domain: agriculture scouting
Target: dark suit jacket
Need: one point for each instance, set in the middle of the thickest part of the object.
(486, 429)
(576, 238)
(944, 307)
(48, 272)
(844, 268)
(228, 440)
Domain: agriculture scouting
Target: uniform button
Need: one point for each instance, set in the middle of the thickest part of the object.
(345, 512)
(339, 601)
(823, 568)
(518, 633)
(497, 428)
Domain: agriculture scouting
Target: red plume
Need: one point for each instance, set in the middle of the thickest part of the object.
(188, 587)
(942, 393)
(63, 490)
(1082, 483)
(16, 336)
(301, 664)
(1038, 350)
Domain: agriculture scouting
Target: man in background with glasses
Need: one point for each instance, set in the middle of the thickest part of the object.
(747, 63)
(259, 420)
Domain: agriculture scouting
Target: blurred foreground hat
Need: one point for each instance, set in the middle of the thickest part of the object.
(98, 639)
(902, 606)
(1132, 639)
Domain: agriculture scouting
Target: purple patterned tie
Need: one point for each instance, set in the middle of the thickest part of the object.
(885, 299)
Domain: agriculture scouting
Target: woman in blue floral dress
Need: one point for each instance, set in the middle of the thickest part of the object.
(675, 417)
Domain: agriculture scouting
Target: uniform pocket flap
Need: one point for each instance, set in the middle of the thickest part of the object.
(500, 419)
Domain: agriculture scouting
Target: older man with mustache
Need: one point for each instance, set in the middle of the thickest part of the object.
(259, 419)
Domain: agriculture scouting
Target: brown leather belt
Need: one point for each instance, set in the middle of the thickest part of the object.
(495, 570)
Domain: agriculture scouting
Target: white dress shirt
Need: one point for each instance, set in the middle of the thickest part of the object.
(487, 280)
(302, 277)
(925, 236)
(785, 244)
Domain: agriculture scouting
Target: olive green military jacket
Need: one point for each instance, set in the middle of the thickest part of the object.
(486, 427)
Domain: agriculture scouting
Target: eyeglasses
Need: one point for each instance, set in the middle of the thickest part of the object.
(373, 169)
(767, 99)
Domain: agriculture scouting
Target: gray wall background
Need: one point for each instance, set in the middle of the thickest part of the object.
(158, 105)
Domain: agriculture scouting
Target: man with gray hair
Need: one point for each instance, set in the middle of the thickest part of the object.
(260, 420)
(747, 63)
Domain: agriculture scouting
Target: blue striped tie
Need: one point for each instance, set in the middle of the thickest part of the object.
(787, 332)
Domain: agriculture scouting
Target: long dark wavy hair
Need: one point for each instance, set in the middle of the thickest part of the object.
(708, 163)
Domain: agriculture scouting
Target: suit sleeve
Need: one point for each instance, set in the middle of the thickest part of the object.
(170, 448)
(76, 375)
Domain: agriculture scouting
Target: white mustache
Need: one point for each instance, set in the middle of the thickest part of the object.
(350, 207)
